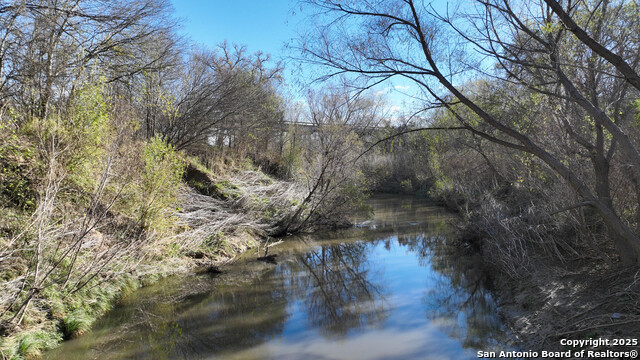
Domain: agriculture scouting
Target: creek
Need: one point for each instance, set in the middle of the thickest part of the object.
(391, 287)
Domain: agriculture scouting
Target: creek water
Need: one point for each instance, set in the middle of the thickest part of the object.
(391, 287)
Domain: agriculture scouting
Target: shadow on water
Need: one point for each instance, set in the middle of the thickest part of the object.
(392, 287)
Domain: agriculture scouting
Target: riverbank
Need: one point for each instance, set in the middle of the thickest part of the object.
(579, 300)
(546, 300)
(216, 217)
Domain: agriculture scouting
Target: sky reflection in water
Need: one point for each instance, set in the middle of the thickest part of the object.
(389, 288)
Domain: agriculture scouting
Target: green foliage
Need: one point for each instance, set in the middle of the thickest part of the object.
(228, 190)
(292, 154)
(442, 184)
(77, 140)
(406, 185)
(247, 164)
(215, 241)
(160, 180)
(127, 284)
(34, 343)
(17, 163)
(87, 133)
(73, 143)
(76, 323)
(355, 192)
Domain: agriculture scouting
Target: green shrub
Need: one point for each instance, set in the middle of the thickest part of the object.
(161, 178)
(17, 163)
(76, 323)
(406, 185)
(33, 344)
(88, 132)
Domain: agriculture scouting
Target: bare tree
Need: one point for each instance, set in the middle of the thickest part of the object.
(379, 40)
(625, 55)
(336, 123)
(47, 46)
(221, 94)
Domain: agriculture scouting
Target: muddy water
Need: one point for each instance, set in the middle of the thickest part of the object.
(389, 288)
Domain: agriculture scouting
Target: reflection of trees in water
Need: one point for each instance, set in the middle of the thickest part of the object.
(339, 284)
(460, 302)
(226, 319)
(336, 283)
(402, 215)
(471, 310)
(235, 318)
(338, 288)
(193, 318)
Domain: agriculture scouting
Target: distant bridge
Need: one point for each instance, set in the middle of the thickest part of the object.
(313, 126)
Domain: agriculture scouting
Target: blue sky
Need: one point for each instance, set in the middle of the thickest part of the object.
(265, 26)
(261, 25)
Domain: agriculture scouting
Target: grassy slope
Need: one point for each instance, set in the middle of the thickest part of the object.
(218, 216)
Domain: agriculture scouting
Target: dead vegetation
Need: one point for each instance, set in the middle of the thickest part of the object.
(223, 216)
(585, 302)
